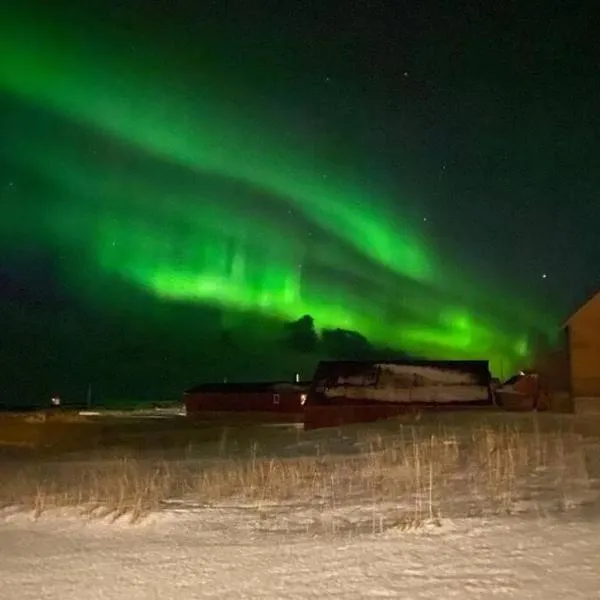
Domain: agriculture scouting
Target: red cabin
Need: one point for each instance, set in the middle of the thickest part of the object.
(277, 401)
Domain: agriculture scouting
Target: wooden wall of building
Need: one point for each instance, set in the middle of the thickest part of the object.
(584, 350)
(555, 383)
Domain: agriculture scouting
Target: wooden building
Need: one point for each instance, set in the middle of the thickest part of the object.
(523, 392)
(583, 350)
(361, 391)
(277, 401)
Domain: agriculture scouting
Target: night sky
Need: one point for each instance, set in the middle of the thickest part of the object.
(181, 181)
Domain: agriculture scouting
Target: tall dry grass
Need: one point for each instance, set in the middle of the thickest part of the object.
(425, 476)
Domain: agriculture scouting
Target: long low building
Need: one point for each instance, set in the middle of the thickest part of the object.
(360, 391)
(271, 400)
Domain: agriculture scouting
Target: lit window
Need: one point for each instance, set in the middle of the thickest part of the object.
(303, 399)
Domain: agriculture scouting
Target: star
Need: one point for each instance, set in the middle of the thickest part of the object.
(544, 276)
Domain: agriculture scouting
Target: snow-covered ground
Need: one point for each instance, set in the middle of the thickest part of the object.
(233, 552)
(429, 513)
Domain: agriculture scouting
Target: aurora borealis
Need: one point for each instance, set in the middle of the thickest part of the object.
(133, 166)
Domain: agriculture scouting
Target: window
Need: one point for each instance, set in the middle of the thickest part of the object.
(275, 398)
(302, 399)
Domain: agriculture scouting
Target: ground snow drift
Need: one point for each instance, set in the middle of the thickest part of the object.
(245, 552)
(447, 509)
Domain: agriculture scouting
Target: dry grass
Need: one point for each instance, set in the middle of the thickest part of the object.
(423, 475)
(57, 432)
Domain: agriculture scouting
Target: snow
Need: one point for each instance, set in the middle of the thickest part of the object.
(238, 552)
(409, 383)
(399, 395)
(431, 374)
(540, 542)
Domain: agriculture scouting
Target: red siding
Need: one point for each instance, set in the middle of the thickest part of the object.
(316, 416)
(336, 415)
(525, 394)
(279, 403)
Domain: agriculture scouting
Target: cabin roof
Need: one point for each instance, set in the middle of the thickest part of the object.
(335, 368)
(589, 299)
(250, 387)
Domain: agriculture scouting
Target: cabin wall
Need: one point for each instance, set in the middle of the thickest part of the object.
(555, 379)
(584, 354)
(553, 369)
(318, 416)
(278, 402)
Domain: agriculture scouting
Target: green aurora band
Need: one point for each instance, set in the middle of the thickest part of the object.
(196, 201)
